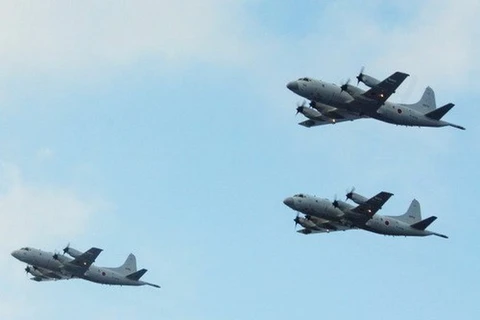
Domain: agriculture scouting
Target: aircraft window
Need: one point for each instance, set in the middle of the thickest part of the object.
(300, 195)
(399, 111)
(26, 249)
(304, 79)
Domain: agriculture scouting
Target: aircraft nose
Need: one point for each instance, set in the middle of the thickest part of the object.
(289, 202)
(293, 85)
(15, 254)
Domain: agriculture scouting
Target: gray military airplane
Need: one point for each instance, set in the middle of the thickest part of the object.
(333, 104)
(322, 215)
(45, 266)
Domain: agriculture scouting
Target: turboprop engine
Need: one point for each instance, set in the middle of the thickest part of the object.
(355, 197)
(369, 81)
(304, 222)
(71, 252)
(310, 113)
(33, 271)
(342, 205)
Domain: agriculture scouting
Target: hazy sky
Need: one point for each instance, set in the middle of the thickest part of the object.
(164, 128)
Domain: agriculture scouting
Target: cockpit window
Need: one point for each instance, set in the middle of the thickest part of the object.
(305, 79)
(26, 249)
(300, 195)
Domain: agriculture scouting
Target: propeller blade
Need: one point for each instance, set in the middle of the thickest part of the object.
(335, 201)
(360, 75)
(65, 250)
(296, 221)
(344, 86)
(349, 193)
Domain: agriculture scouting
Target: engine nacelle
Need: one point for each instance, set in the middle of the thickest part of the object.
(322, 108)
(369, 81)
(33, 271)
(351, 90)
(342, 205)
(355, 197)
(307, 224)
(73, 252)
(310, 113)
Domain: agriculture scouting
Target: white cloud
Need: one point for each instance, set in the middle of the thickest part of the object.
(91, 34)
(32, 213)
(45, 153)
(440, 44)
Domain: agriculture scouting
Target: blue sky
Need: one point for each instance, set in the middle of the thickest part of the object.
(165, 129)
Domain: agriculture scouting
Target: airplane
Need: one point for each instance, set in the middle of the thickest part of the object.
(323, 216)
(46, 266)
(330, 104)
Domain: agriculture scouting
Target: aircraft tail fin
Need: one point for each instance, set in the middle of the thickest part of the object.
(129, 266)
(422, 225)
(437, 114)
(136, 275)
(426, 102)
(413, 214)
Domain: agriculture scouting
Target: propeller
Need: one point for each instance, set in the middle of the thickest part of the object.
(297, 220)
(350, 193)
(335, 202)
(27, 269)
(65, 250)
(344, 86)
(301, 106)
(55, 256)
(360, 75)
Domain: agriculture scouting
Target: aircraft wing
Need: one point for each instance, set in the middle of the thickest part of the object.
(372, 205)
(382, 91)
(41, 279)
(327, 120)
(42, 274)
(327, 226)
(81, 263)
(47, 278)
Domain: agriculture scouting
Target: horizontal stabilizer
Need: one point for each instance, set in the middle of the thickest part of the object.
(422, 225)
(137, 275)
(437, 114)
(440, 235)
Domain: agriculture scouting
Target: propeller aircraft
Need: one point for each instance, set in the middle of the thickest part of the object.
(323, 215)
(45, 266)
(331, 104)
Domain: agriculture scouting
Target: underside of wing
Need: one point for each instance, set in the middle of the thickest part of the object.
(326, 226)
(311, 231)
(42, 279)
(372, 205)
(42, 274)
(323, 121)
